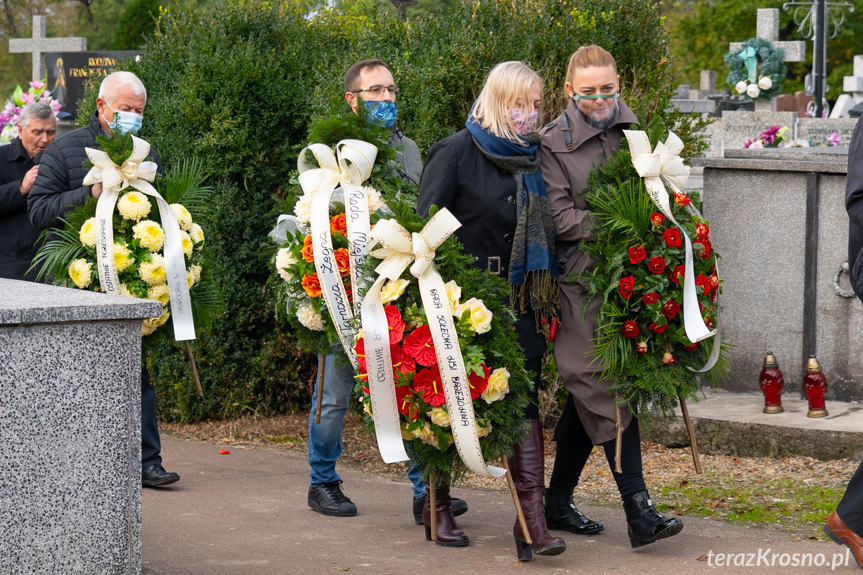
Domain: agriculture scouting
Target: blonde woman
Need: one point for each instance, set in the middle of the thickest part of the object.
(589, 131)
(488, 176)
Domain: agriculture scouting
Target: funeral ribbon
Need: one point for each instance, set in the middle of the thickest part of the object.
(348, 167)
(401, 249)
(663, 166)
(137, 173)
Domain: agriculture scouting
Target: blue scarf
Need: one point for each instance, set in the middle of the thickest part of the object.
(532, 269)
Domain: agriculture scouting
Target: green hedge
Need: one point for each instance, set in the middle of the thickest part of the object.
(237, 83)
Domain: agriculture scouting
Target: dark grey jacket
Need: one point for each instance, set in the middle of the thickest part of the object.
(408, 154)
(17, 234)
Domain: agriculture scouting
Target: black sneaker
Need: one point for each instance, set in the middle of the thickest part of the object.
(327, 498)
(459, 507)
(155, 476)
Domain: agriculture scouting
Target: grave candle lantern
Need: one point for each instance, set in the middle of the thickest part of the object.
(815, 387)
(771, 383)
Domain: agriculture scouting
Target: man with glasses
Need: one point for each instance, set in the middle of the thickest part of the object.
(368, 83)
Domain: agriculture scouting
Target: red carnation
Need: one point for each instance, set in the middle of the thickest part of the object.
(657, 329)
(681, 199)
(702, 232)
(705, 247)
(629, 329)
(672, 237)
(477, 383)
(395, 323)
(625, 287)
(704, 282)
(637, 254)
(656, 265)
(419, 345)
(670, 309)
(427, 383)
(657, 219)
(650, 298)
(677, 274)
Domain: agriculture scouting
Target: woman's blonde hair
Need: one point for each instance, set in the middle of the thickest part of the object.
(506, 83)
(588, 56)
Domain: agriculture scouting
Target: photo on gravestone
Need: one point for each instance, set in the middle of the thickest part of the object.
(69, 71)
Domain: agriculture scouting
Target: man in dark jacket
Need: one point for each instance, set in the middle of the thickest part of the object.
(36, 129)
(59, 188)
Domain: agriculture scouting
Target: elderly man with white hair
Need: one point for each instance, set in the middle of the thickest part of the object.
(59, 188)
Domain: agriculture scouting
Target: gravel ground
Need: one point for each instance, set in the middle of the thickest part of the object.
(792, 493)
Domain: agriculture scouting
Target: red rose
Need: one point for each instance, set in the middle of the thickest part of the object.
(704, 282)
(708, 321)
(677, 274)
(625, 287)
(670, 309)
(672, 237)
(629, 329)
(667, 359)
(702, 232)
(692, 347)
(681, 199)
(656, 265)
(705, 247)
(714, 281)
(637, 254)
(650, 298)
(658, 329)
(657, 219)
(641, 347)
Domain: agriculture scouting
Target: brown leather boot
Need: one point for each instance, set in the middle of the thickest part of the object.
(843, 535)
(448, 532)
(527, 466)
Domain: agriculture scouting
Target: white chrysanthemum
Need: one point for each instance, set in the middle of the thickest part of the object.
(374, 196)
(87, 233)
(80, 271)
(133, 206)
(303, 209)
(480, 316)
(393, 290)
(186, 242)
(752, 90)
(741, 86)
(123, 257)
(196, 232)
(149, 234)
(159, 293)
(765, 83)
(184, 218)
(285, 258)
(153, 272)
(152, 324)
(453, 294)
(498, 385)
(310, 318)
(439, 417)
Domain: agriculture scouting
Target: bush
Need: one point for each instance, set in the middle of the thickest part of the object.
(236, 85)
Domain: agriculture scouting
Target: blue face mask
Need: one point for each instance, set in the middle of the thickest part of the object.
(125, 122)
(381, 113)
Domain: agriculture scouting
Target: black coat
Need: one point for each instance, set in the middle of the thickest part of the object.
(457, 176)
(59, 186)
(854, 206)
(17, 234)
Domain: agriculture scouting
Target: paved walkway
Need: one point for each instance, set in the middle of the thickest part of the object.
(246, 514)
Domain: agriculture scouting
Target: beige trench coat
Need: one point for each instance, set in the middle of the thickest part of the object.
(565, 169)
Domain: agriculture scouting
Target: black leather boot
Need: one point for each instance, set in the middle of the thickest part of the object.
(646, 524)
(561, 513)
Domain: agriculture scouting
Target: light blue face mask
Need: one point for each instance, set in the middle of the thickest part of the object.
(381, 112)
(125, 122)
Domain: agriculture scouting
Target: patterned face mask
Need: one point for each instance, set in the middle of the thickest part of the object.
(522, 121)
(381, 112)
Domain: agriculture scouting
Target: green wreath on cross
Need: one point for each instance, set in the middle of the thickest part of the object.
(756, 70)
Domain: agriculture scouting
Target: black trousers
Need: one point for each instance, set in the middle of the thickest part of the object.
(574, 447)
(532, 409)
(850, 509)
(150, 444)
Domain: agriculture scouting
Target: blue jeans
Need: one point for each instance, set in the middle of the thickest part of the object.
(325, 438)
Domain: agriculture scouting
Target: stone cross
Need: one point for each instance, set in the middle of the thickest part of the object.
(38, 44)
(854, 84)
(767, 28)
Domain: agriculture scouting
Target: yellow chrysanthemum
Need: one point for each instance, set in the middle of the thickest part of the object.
(124, 291)
(87, 234)
(133, 206)
(187, 243)
(184, 218)
(159, 293)
(123, 257)
(153, 272)
(152, 324)
(81, 272)
(197, 234)
(149, 234)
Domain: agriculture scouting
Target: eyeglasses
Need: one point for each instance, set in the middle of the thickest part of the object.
(579, 97)
(378, 90)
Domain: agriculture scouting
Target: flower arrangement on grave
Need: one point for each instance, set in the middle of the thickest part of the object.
(657, 277)
(37, 92)
(148, 247)
(437, 353)
(776, 137)
(756, 70)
